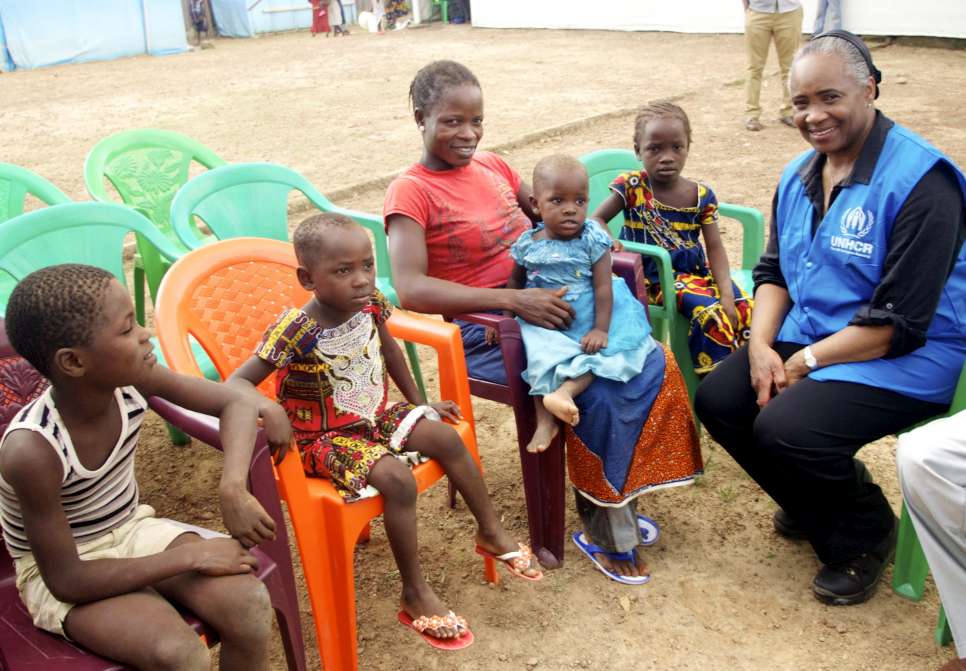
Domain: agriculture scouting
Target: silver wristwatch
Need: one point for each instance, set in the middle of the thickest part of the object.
(810, 359)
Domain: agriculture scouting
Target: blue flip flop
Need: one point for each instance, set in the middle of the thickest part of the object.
(650, 531)
(589, 549)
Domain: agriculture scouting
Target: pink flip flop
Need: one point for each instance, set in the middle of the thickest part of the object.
(422, 623)
(516, 561)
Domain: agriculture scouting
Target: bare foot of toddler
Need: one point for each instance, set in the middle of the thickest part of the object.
(543, 435)
(561, 405)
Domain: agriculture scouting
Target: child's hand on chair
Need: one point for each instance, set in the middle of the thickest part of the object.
(448, 410)
(244, 517)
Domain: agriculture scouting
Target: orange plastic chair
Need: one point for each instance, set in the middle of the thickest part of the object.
(225, 295)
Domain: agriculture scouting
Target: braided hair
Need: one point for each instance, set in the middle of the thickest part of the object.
(433, 80)
(53, 308)
(659, 109)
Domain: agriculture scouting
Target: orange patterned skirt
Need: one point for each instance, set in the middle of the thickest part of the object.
(667, 452)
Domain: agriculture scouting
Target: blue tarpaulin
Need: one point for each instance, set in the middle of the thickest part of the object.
(5, 63)
(244, 18)
(74, 31)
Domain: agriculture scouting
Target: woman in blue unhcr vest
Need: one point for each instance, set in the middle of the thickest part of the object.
(860, 317)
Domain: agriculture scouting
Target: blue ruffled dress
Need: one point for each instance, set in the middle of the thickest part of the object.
(555, 356)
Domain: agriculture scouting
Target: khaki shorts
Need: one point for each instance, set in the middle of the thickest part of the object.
(142, 535)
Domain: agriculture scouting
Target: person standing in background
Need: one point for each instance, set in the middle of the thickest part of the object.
(766, 21)
(829, 16)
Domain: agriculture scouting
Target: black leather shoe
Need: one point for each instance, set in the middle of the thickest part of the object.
(854, 581)
(787, 527)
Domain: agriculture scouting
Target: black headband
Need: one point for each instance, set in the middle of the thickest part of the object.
(856, 42)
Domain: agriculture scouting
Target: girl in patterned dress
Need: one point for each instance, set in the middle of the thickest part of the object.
(663, 208)
(333, 358)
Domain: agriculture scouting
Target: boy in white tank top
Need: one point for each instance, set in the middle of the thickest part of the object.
(92, 563)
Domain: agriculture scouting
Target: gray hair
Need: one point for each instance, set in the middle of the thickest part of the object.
(855, 63)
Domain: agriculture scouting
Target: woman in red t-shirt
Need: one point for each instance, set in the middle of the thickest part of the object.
(451, 219)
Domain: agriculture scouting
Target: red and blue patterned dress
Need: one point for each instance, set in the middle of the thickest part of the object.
(711, 335)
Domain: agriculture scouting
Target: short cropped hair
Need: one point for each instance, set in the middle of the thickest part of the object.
(53, 308)
(659, 109)
(310, 235)
(549, 166)
(433, 80)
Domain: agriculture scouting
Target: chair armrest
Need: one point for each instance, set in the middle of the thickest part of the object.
(630, 268)
(500, 323)
(261, 480)
(445, 339)
(197, 425)
(660, 255)
(753, 231)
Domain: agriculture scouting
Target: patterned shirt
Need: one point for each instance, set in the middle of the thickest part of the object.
(295, 345)
(95, 501)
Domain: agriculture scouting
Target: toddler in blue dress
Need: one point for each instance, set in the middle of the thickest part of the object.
(609, 336)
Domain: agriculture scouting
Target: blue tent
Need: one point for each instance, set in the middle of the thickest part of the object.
(244, 18)
(35, 34)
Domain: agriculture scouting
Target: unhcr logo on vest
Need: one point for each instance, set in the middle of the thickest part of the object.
(855, 225)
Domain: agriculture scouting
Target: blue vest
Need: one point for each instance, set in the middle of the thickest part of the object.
(835, 273)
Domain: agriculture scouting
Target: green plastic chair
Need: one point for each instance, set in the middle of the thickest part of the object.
(91, 233)
(251, 199)
(146, 167)
(603, 166)
(16, 184)
(911, 567)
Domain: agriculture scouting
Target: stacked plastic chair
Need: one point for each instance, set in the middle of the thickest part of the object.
(16, 184)
(146, 167)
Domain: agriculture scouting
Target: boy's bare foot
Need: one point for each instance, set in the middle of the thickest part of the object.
(500, 542)
(561, 405)
(542, 437)
(628, 569)
(423, 601)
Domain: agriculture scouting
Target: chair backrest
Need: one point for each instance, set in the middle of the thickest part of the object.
(251, 200)
(147, 167)
(604, 165)
(17, 183)
(240, 200)
(225, 296)
(91, 233)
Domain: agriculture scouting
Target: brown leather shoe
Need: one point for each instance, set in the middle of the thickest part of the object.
(788, 121)
(753, 124)
(954, 665)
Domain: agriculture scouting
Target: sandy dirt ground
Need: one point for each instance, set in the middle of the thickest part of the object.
(727, 593)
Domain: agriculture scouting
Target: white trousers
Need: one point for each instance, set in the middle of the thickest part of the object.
(932, 473)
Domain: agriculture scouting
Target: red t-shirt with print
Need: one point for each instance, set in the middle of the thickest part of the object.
(470, 216)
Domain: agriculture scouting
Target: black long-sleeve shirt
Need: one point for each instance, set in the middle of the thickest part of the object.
(926, 237)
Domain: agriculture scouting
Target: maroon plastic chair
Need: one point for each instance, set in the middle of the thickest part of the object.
(544, 474)
(23, 647)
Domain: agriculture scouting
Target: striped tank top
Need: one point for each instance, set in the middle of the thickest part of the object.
(95, 502)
